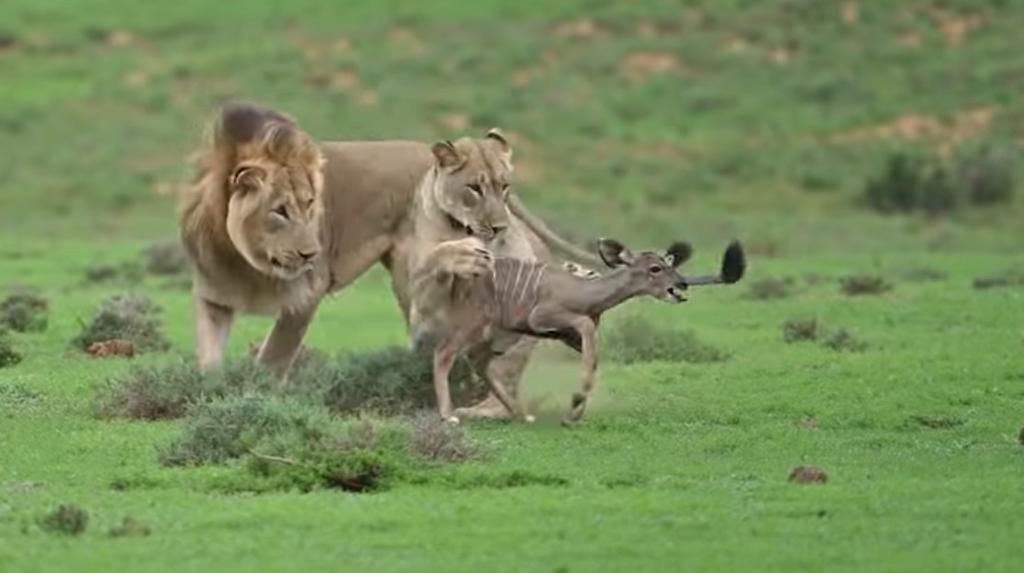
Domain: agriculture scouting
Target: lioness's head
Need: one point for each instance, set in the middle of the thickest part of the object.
(273, 186)
(474, 176)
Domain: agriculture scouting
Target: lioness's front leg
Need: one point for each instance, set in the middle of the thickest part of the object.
(463, 258)
(282, 344)
(213, 325)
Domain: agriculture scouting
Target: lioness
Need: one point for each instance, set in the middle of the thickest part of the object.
(275, 221)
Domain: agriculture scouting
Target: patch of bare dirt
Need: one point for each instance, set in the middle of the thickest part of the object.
(584, 28)
(407, 41)
(909, 40)
(946, 134)
(640, 66)
(850, 12)
(736, 45)
(454, 122)
(956, 27)
(808, 424)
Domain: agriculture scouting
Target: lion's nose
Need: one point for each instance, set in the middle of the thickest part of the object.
(308, 255)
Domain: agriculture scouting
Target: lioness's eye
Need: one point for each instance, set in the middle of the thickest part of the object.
(475, 188)
(282, 211)
(655, 270)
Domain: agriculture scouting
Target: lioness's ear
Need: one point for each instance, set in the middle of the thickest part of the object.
(447, 156)
(497, 136)
(613, 253)
(678, 253)
(248, 178)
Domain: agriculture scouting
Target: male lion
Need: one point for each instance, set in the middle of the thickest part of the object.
(274, 222)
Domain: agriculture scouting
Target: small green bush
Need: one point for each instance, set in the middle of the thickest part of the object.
(841, 339)
(636, 339)
(129, 527)
(8, 355)
(801, 329)
(166, 258)
(986, 174)
(857, 285)
(227, 428)
(125, 317)
(24, 312)
(67, 519)
(769, 289)
(983, 175)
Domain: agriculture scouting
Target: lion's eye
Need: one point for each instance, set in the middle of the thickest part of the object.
(475, 189)
(654, 270)
(282, 212)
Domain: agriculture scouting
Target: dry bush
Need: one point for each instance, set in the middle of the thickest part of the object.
(438, 440)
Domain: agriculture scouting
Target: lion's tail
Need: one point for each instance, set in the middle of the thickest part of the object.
(549, 237)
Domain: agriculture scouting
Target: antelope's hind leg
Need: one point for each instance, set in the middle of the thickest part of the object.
(481, 360)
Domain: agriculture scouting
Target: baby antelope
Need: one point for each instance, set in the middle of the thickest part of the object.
(541, 300)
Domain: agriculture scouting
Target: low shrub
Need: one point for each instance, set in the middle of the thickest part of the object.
(8, 355)
(857, 285)
(770, 289)
(67, 519)
(125, 317)
(637, 339)
(982, 175)
(801, 329)
(24, 312)
(166, 258)
(842, 339)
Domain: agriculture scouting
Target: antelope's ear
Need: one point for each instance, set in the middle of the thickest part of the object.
(447, 156)
(678, 253)
(247, 178)
(613, 253)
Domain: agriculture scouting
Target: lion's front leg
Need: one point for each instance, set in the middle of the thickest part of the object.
(283, 343)
(213, 325)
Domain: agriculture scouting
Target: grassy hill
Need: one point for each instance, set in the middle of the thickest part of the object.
(649, 121)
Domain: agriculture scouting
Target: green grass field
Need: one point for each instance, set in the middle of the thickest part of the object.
(648, 121)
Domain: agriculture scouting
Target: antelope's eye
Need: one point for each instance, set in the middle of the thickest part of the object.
(654, 270)
(282, 212)
(475, 188)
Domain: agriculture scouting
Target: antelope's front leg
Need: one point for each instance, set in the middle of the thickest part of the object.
(588, 334)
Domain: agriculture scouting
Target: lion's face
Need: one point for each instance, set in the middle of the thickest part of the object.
(274, 217)
(474, 180)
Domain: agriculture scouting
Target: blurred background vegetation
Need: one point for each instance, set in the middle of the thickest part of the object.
(798, 125)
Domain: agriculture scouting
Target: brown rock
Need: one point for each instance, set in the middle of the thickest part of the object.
(808, 474)
(112, 348)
